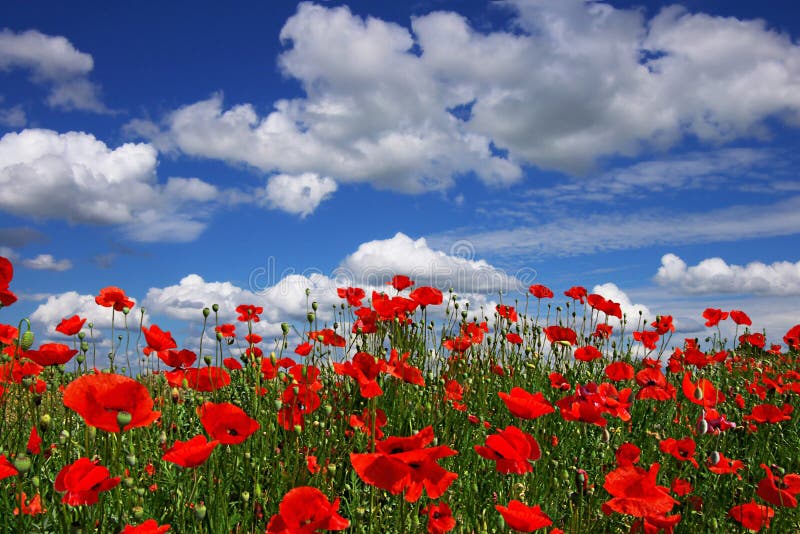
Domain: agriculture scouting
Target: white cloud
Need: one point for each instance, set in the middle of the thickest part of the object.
(715, 276)
(299, 195)
(48, 263)
(55, 62)
(13, 117)
(62, 305)
(571, 82)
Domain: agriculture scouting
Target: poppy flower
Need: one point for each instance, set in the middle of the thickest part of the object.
(405, 465)
(635, 492)
(754, 340)
(34, 445)
(647, 338)
(726, 466)
(440, 518)
(7, 298)
(740, 317)
(190, 453)
(540, 292)
(507, 312)
(71, 326)
(82, 481)
(248, 312)
(209, 378)
(681, 449)
(365, 370)
(576, 293)
(752, 516)
(106, 400)
(702, 393)
(609, 307)
(619, 371)
(113, 297)
(227, 330)
(522, 517)
(512, 449)
(792, 337)
(558, 381)
(328, 337)
(354, 295)
(769, 413)
(779, 491)
(226, 422)
(426, 296)
(627, 454)
(8, 334)
(306, 510)
(32, 507)
(150, 526)
(51, 354)
(157, 340)
(663, 324)
(400, 282)
(713, 316)
(561, 334)
(654, 385)
(177, 358)
(7, 469)
(398, 367)
(303, 349)
(603, 331)
(231, 364)
(588, 353)
(526, 405)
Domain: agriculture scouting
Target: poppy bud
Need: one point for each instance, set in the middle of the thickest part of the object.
(27, 340)
(215, 307)
(123, 419)
(22, 463)
(285, 328)
(128, 482)
(606, 437)
(698, 394)
(162, 438)
(63, 436)
(328, 409)
(140, 492)
(314, 305)
(138, 513)
(90, 325)
(714, 458)
(44, 422)
(310, 317)
(175, 394)
(308, 291)
(702, 426)
(126, 310)
(200, 511)
(81, 335)
(207, 359)
(206, 312)
(245, 496)
(84, 346)
(278, 404)
(80, 358)
(219, 336)
(332, 469)
(298, 429)
(35, 480)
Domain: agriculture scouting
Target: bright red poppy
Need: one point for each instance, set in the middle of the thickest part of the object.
(113, 297)
(681, 449)
(541, 292)
(405, 465)
(713, 316)
(82, 481)
(635, 492)
(779, 491)
(507, 312)
(740, 317)
(627, 454)
(398, 367)
(522, 517)
(354, 295)
(365, 369)
(364, 423)
(792, 337)
(209, 378)
(561, 334)
(769, 413)
(7, 469)
(106, 400)
(619, 371)
(702, 393)
(609, 307)
(514, 339)
(400, 282)
(576, 293)
(588, 353)
(178, 358)
(7, 298)
(249, 312)
(654, 385)
(70, 326)
(227, 330)
(647, 338)
(157, 340)
(150, 526)
(303, 349)
(34, 445)
(511, 449)
(51, 354)
(663, 324)
(226, 422)
(726, 466)
(526, 405)
(306, 510)
(191, 453)
(752, 516)
(426, 296)
(440, 518)
(29, 507)
(327, 337)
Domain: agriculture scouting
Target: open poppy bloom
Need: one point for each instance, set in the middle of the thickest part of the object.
(190, 453)
(398, 367)
(526, 405)
(512, 449)
(365, 369)
(51, 354)
(400, 282)
(440, 518)
(426, 296)
(7, 469)
(113, 297)
(29, 507)
(354, 295)
(82, 481)
(71, 326)
(404, 465)
(681, 449)
(226, 422)
(779, 491)
(209, 378)
(726, 466)
(609, 307)
(110, 401)
(576, 293)
(306, 510)
(522, 517)
(561, 334)
(150, 526)
(634, 492)
(540, 292)
(7, 298)
(249, 312)
(752, 516)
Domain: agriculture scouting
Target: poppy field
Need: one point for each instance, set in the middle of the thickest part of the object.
(553, 413)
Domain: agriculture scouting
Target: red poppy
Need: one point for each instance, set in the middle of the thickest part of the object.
(561, 334)
(364, 422)
(400, 282)
(328, 337)
(603, 331)
(8, 334)
(7, 298)
(226, 422)
(512, 449)
(635, 492)
(663, 324)
(426, 296)
(209, 378)
(365, 369)
(558, 381)
(157, 340)
(32, 507)
(51, 354)
(647, 338)
(71, 326)
(769, 413)
(177, 358)
(681, 487)
(779, 491)
(306, 510)
(654, 385)
(740, 317)
(522, 517)
(526, 405)
(609, 307)
(112, 296)
(248, 312)
(752, 516)
(7, 469)
(514, 339)
(726, 466)
(82, 481)
(576, 293)
(312, 465)
(792, 337)
(34, 445)
(627, 454)
(713, 316)
(619, 371)
(226, 330)
(398, 367)
(303, 349)
(507, 312)
(231, 364)
(588, 353)
(106, 400)
(702, 393)
(354, 295)
(150, 526)
(405, 465)
(540, 292)
(754, 340)
(681, 449)
(440, 518)
(190, 453)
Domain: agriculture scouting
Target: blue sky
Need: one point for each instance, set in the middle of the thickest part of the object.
(241, 153)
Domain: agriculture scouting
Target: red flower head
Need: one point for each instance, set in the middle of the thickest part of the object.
(364, 422)
(603, 330)
(178, 359)
(105, 400)
(561, 334)
(540, 292)
(248, 312)
(526, 405)
(703, 393)
(779, 491)
(400, 282)
(752, 516)
(619, 371)
(440, 518)
(663, 324)
(713, 316)
(71, 326)
(328, 337)
(507, 312)
(588, 353)
(113, 297)
(305, 510)
(426, 296)
(726, 466)
(398, 367)
(512, 449)
(51, 354)
(190, 453)
(7, 298)
(634, 492)
(576, 293)
(157, 340)
(681, 449)
(206, 379)
(740, 317)
(792, 337)
(609, 307)
(354, 295)
(365, 370)
(226, 422)
(627, 454)
(226, 330)
(522, 517)
(82, 481)
(647, 338)
(7, 469)
(148, 527)
(404, 465)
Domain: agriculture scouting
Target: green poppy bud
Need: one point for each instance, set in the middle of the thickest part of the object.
(285, 328)
(123, 419)
(206, 312)
(27, 340)
(215, 307)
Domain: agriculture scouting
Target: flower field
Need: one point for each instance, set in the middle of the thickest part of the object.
(551, 414)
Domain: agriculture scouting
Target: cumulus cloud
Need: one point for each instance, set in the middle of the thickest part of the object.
(53, 61)
(715, 276)
(413, 108)
(47, 262)
(115, 186)
(299, 195)
(62, 305)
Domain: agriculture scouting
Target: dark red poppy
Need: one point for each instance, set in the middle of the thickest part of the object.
(306, 510)
(576, 293)
(654, 385)
(157, 340)
(522, 517)
(541, 292)
(512, 449)
(588, 353)
(681, 449)
(249, 312)
(365, 369)
(113, 297)
(609, 307)
(7, 298)
(71, 326)
(561, 334)
(713, 316)
(440, 518)
(405, 465)
(752, 516)
(51, 354)
(426, 296)
(779, 491)
(105, 400)
(354, 295)
(209, 378)
(226, 422)
(150, 526)
(82, 481)
(740, 317)
(635, 492)
(619, 371)
(400, 282)
(190, 453)
(526, 405)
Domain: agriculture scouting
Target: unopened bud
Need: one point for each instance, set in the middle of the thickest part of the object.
(22, 463)
(285, 328)
(310, 317)
(314, 305)
(27, 340)
(714, 458)
(215, 307)
(123, 419)
(206, 312)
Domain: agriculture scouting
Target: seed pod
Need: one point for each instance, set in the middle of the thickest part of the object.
(27, 340)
